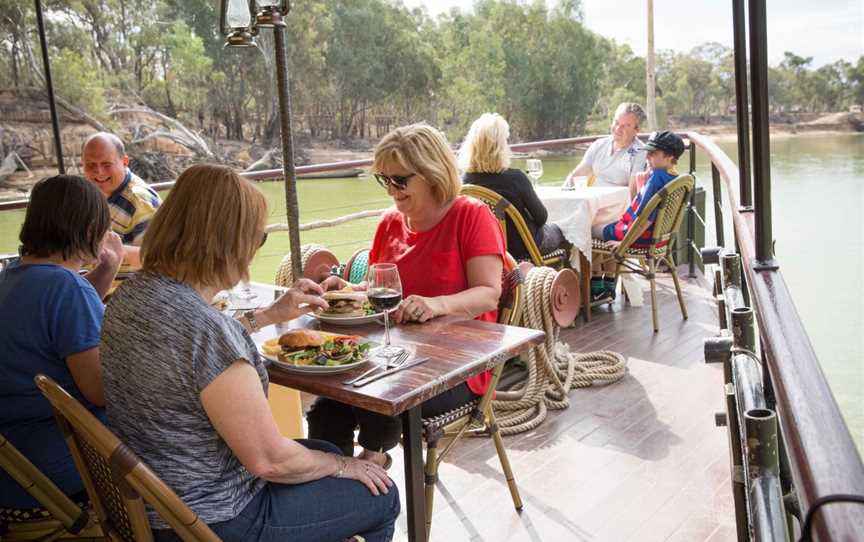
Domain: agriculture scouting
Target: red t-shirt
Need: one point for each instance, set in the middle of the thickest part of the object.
(434, 262)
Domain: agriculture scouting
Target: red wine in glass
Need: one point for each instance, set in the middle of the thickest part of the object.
(384, 293)
(384, 299)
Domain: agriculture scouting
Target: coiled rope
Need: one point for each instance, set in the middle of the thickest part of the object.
(284, 276)
(552, 369)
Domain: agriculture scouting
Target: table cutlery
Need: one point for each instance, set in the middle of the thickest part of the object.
(393, 362)
(388, 372)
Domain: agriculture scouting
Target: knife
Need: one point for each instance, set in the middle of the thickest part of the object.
(388, 372)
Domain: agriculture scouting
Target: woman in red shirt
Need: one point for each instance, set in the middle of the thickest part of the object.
(450, 254)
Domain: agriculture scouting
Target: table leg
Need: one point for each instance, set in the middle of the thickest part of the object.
(415, 496)
(585, 271)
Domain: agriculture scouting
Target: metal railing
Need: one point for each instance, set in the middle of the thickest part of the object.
(778, 400)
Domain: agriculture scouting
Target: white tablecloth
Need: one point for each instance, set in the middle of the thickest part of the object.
(575, 211)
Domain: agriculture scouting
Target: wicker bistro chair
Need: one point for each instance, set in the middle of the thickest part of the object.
(476, 416)
(503, 209)
(58, 519)
(670, 203)
(118, 482)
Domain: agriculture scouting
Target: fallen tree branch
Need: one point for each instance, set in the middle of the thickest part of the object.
(9, 165)
(189, 138)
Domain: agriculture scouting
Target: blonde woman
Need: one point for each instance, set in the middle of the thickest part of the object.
(186, 389)
(450, 254)
(485, 158)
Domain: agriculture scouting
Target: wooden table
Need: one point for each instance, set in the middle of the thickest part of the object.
(457, 349)
(575, 211)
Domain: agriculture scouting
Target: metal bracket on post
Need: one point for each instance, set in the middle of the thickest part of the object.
(718, 349)
(743, 329)
(731, 265)
(767, 265)
(711, 255)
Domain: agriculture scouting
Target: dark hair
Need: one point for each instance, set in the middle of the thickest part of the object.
(66, 215)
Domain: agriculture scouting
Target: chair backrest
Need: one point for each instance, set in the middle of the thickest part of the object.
(510, 302)
(503, 209)
(670, 203)
(118, 482)
(29, 477)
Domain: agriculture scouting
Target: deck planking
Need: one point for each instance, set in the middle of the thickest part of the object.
(636, 460)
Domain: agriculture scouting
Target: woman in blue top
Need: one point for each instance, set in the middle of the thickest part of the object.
(50, 322)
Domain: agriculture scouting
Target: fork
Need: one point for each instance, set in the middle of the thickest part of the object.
(392, 363)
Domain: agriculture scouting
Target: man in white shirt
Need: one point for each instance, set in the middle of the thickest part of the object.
(615, 159)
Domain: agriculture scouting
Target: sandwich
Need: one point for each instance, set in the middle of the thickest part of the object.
(300, 346)
(346, 303)
(309, 347)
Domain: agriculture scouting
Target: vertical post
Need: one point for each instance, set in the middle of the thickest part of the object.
(718, 206)
(691, 219)
(649, 71)
(763, 472)
(742, 104)
(743, 328)
(49, 84)
(761, 138)
(287, 136)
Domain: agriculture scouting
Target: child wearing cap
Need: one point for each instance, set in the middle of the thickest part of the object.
(664, 148)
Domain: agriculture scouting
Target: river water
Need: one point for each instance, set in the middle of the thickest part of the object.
(818, 194)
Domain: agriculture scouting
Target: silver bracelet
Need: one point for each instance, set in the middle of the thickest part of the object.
(343, 465)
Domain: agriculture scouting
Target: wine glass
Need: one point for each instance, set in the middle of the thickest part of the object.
(243, 291)
(534, 168)
(385, 293)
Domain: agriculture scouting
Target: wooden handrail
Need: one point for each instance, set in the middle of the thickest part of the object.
(823, 457)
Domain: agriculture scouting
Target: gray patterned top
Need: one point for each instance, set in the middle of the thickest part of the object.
(161, 346)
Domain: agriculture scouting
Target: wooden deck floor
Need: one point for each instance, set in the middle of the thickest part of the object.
(638, 460)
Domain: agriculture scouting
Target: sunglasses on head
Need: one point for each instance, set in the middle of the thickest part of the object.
(396, 181)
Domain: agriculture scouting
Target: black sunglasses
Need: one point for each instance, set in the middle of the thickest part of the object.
(263, 240)
(396, 181)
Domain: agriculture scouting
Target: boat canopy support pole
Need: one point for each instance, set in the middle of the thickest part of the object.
(742, 105)
(764, 241)
(287, 136)
(49, 84)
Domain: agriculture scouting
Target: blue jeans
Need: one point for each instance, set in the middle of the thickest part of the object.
(325, 510)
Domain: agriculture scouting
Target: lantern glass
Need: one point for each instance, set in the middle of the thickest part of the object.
(238, 14)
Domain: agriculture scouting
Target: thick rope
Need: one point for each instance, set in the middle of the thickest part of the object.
(552, 369)
(284, 276)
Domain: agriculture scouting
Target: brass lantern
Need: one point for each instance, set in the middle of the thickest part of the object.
(270, 13)
(236, 23)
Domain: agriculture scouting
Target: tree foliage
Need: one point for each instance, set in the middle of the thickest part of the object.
(360, 67)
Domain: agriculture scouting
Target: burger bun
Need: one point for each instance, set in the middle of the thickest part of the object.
(301, 338)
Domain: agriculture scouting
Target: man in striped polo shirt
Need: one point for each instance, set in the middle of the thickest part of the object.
(131, 200)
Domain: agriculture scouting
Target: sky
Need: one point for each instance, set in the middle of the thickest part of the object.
(827, 31)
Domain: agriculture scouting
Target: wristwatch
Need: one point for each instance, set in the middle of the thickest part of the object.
(250, 317)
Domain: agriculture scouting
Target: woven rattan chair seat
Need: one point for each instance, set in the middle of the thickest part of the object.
(598, 245)
(23, 515)
(442, 420)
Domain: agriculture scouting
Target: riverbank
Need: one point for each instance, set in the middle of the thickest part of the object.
(311, 151)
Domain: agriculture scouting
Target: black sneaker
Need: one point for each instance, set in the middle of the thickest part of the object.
(605, 296)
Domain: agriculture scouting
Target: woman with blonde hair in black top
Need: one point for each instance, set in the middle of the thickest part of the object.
(485, 158)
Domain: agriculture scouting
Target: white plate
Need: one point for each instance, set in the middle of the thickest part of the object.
(313, 369)
(348, 320)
